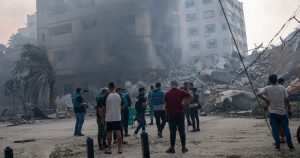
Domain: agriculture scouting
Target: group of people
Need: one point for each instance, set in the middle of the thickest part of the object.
(173, 107)
(113, 106)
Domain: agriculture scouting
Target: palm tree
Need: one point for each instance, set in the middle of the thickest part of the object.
(13, 88)
(37, 72)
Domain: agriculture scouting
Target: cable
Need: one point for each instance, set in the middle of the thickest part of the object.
(242, 60)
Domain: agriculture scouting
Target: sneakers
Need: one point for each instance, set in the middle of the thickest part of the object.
(171, 150)
(277, 147)
(159, 135)
(127, 135)
(80, 135)
(150, 123)
(184, 150)
(198, 129)
(291, 148)
(136, 136)
(194, 130)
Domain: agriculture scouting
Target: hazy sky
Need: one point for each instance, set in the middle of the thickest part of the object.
(263, 17)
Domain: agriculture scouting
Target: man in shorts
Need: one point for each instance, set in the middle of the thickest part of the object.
(113, 105)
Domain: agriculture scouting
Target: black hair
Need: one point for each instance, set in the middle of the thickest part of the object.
(158, 85)
(119, 89)
(273, 79)
(111, 85)
(78, 90)
(141, 89)
(151, 87)
(280, 81)
(192, 84)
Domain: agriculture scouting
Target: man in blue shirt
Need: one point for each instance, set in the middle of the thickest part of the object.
(79, 110)
(157, 99)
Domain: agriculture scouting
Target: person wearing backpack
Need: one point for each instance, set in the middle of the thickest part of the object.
(79, 110)
(194, 106)
(157, 99)
(125, 111)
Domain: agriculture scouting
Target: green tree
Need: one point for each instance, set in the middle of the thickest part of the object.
(36, 71)
(13, 88)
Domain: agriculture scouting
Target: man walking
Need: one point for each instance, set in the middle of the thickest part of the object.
(79, 110)
(175, 113)
(194, 106)
(158, 102)
(113, 117)
(101, 118)
(140, 107)
(276, 97)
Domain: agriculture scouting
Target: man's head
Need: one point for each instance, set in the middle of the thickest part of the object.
(158, 85)
(185, 84)
(191, 85)
(111, 86)
(174, 83)
(273, 79)
(142, 90)
(151, 87)
(104, 91)
(119, 90)
(281, 81)
(78, 90)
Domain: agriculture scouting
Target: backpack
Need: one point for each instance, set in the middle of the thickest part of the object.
(76, 104)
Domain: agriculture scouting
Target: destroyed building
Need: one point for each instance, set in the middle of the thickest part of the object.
(91, 42)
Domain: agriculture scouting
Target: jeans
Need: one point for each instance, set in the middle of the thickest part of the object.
(79, 122)
(187, 113)
(125, 118)
(282, 120)
(151, 113)
(101, 132)
(194, 117)
(142, 121)
(160, 118)
(177, 122)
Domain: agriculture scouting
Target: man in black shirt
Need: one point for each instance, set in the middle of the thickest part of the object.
(140, 107)
(101, 118)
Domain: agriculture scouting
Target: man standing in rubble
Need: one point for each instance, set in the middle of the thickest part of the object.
(276, 97)
(175, 114)
(79, 110)
(157, 99)
(194, 107)
(101, 118)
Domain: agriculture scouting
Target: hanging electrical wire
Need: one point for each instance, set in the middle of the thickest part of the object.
(243, 63)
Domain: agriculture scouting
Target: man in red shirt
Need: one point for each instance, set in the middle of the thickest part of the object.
(175, 113)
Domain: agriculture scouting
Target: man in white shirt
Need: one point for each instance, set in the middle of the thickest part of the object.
(276, 99)
(113, 117)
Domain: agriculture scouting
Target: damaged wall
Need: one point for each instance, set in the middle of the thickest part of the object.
(109, 38)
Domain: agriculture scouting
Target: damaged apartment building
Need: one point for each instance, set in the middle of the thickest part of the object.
(205, 36)
(92, 42)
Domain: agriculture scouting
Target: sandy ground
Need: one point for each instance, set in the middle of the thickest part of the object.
(219, 137)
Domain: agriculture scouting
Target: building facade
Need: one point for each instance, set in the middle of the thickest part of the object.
(204, 31)
(96, 41)
(30, 30)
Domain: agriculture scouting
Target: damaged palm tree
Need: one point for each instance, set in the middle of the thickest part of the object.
(36, 71)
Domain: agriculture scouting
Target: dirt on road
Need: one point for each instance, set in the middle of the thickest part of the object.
(219, 138)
